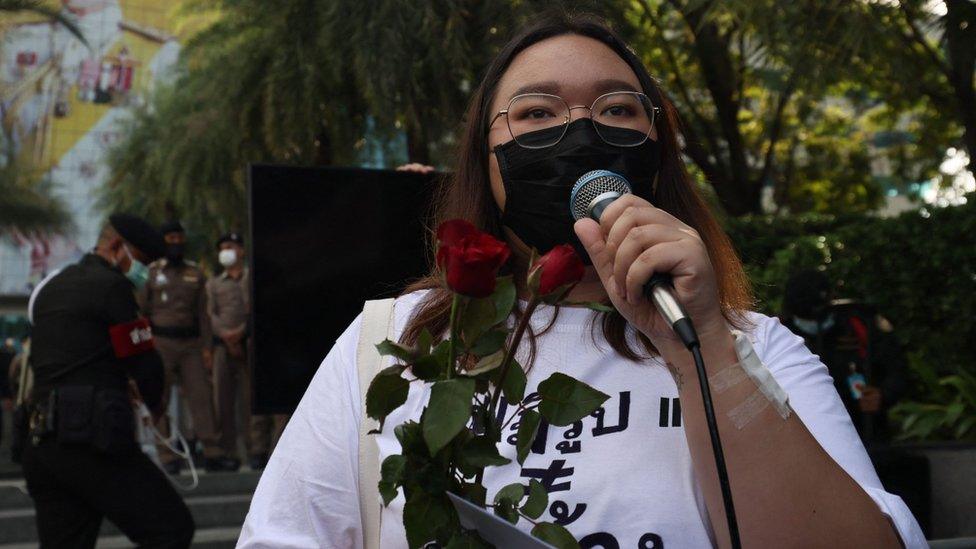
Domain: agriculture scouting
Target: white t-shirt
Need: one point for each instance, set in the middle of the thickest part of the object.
(619, 478)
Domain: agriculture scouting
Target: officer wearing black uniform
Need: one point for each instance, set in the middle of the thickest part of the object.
(856, 344)
(82, 462)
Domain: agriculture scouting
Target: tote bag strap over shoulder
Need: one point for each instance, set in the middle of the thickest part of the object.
(377, 325)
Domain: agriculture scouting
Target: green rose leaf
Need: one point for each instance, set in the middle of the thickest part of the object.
(477, 318)
(448, 411)
(391, 476)
(565, 400)
(424, 341)
(528, 426)
(513, 386)
(428, 518)
(506, 509)
(387, 392)
(537, 502)
(489, 342)
(473, 492)
(556, 535)
(514, 492)
(486, 364)
(593, 306)
(410, 436)
(504, 298)
(507, 500)
(482, 452)
(434, 365)
(388, 348)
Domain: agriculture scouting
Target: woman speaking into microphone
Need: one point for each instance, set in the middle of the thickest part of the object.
(564, 97)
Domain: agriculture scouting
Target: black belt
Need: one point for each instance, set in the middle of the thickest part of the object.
(176, 332)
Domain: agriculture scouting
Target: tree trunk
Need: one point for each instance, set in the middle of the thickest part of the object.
(961, 46)
(738, 189)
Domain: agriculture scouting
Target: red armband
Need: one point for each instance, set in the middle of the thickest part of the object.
(131, 338)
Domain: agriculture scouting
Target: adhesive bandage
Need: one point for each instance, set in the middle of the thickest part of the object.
(767, 391)
(727, 378)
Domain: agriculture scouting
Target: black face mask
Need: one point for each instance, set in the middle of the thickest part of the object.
(174, 253)
(538, 182)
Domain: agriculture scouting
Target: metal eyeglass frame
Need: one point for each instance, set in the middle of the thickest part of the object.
(565, 124)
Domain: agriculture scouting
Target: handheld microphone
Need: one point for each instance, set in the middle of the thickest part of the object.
(592, 193)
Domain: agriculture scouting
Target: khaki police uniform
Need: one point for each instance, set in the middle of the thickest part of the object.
(229, 306)
(175, 301)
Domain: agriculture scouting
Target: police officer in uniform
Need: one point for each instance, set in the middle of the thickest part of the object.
(82, 462)
(229, 303)
(175, 301)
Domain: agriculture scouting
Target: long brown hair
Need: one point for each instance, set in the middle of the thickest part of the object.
(467, 193)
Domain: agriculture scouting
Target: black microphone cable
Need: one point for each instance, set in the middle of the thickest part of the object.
(685, 330)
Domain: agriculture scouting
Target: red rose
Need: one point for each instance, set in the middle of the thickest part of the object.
(557, 271)
(469, 258)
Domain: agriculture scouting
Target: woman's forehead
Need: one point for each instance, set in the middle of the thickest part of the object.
(577, 68)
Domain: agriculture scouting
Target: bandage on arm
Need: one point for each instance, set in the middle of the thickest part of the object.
(767, 393)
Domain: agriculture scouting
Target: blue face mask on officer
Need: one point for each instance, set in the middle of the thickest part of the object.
(138, 272)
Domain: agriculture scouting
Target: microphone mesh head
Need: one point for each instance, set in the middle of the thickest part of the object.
(591, 185)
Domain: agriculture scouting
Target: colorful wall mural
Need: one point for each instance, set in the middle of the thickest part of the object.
(62, 104)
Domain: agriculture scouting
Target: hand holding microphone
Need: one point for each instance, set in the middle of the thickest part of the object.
(639, 251)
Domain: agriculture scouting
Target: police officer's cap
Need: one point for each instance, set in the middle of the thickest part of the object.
(138, 232)
(230, 237)
(171, 226)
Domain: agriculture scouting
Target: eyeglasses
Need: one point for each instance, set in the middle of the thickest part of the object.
(622, 119)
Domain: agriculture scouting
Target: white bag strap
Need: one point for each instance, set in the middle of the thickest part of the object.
(376, 326)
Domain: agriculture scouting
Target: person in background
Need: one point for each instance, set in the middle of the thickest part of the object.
(228, 296)
(7, 353)
(175, 301)
(21, 382)
(18, 373)
(89, 350)
(857, 345)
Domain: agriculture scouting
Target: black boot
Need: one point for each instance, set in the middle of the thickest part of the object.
(221, 464)
(258, 461)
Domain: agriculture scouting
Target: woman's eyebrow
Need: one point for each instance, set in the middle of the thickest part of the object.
(551, 87)
(611, 85)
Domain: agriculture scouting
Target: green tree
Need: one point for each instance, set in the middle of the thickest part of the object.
(772, 93)
(749, 77)
(302, 82)
(252, 86)
(925, 49)
(26, 203)
(43, 8)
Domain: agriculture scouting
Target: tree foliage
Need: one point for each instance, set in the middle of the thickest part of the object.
(801, 97)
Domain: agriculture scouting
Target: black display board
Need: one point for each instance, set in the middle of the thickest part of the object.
(323, 241)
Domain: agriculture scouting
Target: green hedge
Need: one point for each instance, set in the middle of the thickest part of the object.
(918, 269)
